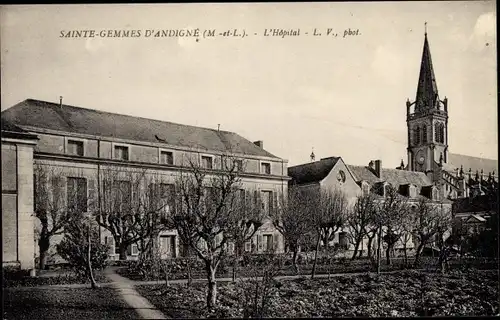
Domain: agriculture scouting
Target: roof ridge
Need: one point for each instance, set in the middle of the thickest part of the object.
(465, 155)
(125, 115)
(315, 162)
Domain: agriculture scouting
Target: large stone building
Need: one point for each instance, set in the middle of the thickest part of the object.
(17, 196)
(81, 144)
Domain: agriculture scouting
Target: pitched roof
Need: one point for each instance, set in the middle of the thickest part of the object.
(10, 130)
(68, 118)
(427, 92)
(312, 172)
(395, 177)
(474, 163)
(476, 204)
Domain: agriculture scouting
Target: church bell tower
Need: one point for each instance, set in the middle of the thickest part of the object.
(427, 121)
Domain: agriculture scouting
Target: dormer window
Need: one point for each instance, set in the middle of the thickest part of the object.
(75, 147)
(206, 162)
(435, 194)
(265, 168)
(386, 190)
(365, 188)
(412, 191)
(121, 153)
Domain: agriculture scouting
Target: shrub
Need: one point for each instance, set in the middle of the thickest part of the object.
(74, 247)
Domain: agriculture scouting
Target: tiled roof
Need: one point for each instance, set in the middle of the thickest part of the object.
(12, 131)
(312, 172)
(49, 115)
(9, 126)
(476, 204)
(395, 177)
(474, 163)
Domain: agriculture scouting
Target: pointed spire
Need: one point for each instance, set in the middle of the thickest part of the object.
(427, 92)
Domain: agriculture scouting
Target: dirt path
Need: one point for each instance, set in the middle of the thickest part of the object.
(125, 288)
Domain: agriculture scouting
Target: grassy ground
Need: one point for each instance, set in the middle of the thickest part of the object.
(62, 303)
(19, 279)
(407, 293)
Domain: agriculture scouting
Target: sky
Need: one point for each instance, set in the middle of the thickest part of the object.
(334, 95)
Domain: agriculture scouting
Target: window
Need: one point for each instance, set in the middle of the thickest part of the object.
(121, 153)
(77, 194)
(343, 240)
(167, 157)
(417, 136)
(162, 197)
(267, 242)
(365, 188)
(75, 147)
(267, 201)
(424, 134)
(123, 198)
(167, 245)
(248, 246)
(412, 191)
(206, 162)
(239, 164)
(265, 168)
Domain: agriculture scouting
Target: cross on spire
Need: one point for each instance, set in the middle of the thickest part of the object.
(425, 26)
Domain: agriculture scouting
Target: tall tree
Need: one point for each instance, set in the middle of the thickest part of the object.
(52, 208)
(292, 220)
(205, 217)
(133, 206)
(328, 214)
(360, 218)
(248, 217)
(390, 211)
(429, 220)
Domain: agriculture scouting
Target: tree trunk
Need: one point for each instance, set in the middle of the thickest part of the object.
(43, 246)
(212, 285)
(405, 254)
(370, 247)
(294, 259)
(313, 272)
(388, 255)
(417, 254)
(190, 278)
(379, 249)
(356, 248)
(93, 284)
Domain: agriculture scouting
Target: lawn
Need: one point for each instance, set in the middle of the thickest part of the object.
(406, 294)
(64, 303)
(63, 276)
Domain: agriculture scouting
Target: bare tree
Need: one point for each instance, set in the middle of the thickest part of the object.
(359, 220)
(429, 219)
(390, 211)
(292, 220)
(133, 206)
(329, 209)
(51, 207)
(247, 218)
(205, 217)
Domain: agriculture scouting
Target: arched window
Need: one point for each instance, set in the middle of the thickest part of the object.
(441, 132)
(436, 132)
(424, 134)
(417, 135)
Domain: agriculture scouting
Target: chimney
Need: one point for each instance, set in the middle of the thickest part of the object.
(259, 143)
(371, 165)
(60, 101)
(378, 167)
